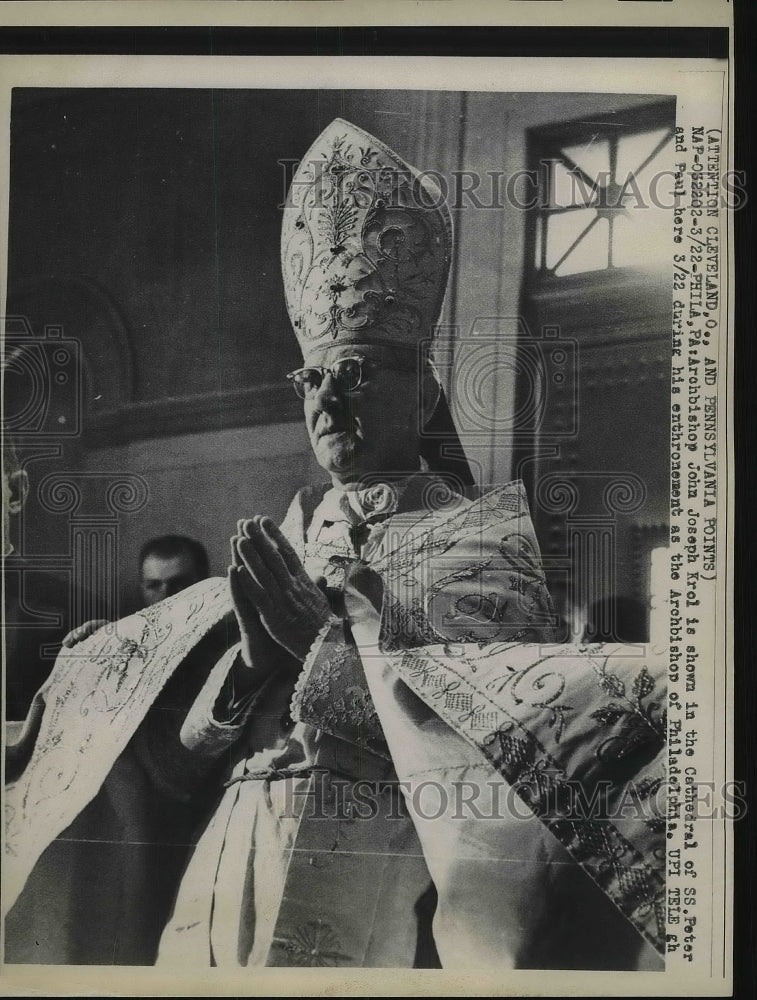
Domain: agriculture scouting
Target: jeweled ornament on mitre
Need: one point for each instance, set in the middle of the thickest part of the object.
(365, 245)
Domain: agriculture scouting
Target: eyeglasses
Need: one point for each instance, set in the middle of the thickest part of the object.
(347, 373)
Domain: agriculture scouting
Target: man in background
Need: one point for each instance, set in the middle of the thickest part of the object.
(169, 564)
(141, 845)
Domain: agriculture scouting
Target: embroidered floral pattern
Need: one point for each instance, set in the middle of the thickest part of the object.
(114, 675)
(361, 245)
(332, 693)
(637, 721)
(313, 944)
(529, 700)
(471, 573)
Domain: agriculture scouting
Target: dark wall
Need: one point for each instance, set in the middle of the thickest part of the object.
(156, 212)
(163, 203)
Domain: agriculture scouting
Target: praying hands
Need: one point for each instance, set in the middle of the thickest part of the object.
(269, 587)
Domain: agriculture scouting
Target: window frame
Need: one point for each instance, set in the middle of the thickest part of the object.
(543, 144)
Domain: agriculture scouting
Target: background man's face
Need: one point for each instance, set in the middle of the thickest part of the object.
(371, 430)
(162, 577)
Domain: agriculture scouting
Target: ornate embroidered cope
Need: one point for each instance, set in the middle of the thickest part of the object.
(448, 597)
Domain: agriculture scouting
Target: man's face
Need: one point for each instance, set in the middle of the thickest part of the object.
(162, 578)
(373, 429)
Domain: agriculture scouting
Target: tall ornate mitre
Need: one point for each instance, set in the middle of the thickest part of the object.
(365, 246)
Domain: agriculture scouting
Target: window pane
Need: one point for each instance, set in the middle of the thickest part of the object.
(652, 186)
(569, 188)
(593, 158)
(634, 149)
(644, 236)
(591, 252)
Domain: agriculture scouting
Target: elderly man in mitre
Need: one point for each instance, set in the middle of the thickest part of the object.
(394, 753)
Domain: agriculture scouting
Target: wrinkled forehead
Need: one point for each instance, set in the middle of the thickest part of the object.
(388, 356)
(157, 566)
